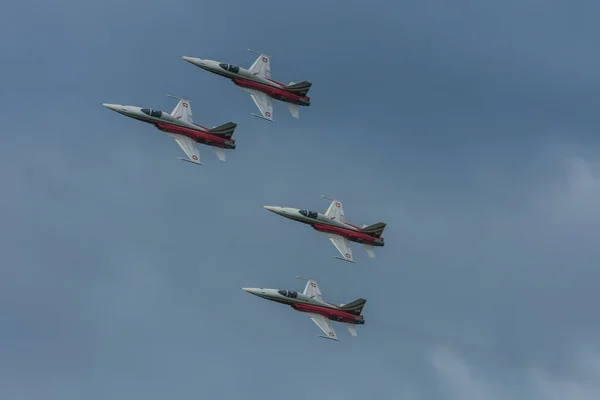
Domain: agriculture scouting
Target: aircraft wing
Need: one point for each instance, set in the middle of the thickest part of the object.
(312, 290)
(336, 211)
(188, 146)
(342, 245)
(182, 111)
(261, 67)
(263, 102)
(325, 326)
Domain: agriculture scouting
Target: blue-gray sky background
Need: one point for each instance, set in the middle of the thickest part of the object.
(471, 129)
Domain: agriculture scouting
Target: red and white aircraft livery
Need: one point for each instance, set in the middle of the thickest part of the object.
(180, 126)
(321, 312)
(257, 82)
(333, 224)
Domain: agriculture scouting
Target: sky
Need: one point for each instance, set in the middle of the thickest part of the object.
(470, 129)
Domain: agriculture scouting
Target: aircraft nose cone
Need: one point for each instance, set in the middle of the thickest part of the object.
(276, 210)
(249, 290)
(193, 60)
(111, 106)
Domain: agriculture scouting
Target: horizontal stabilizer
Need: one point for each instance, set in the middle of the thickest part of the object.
(369, 249)
(352, 329)
(374, 230)
(294, 109)
(225, 130)
(301, 88)
(354, 307)
(220, 152)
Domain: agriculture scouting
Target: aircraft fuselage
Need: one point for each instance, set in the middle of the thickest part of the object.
(302, 303)
(246, 79)
(167, 123)
(325, 224)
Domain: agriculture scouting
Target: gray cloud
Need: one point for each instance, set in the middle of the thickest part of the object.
(469, 129)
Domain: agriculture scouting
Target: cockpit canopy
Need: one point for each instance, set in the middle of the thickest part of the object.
(288, 293)
(309, 214)
(152, 113)
(230, 68)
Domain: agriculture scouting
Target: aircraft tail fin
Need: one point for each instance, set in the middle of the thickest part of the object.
(225, 130)
(375, 230)
(354, 307)
(301, 88)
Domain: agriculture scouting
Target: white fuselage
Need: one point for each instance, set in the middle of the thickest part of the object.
(287, 297)
(308, 217)
(230, 71)
(152, 116)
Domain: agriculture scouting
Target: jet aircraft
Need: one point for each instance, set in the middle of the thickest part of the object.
(321, 312)
(257, 82)
(333, 224)
(180, 126)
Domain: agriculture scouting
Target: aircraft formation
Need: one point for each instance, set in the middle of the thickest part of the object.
(257, 82)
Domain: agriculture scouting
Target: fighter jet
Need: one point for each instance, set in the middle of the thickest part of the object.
(257, 82)
(311, 302)
(180, 126)
(333, 224)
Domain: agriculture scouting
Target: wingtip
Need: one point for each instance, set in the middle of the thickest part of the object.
(261, 117)
(332, 198)
(327, 337)
(178, 98)
(191, 162)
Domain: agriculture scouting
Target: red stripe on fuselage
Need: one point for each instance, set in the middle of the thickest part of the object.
(197, 135)
(277, 93)
(351, 235)
(329, 313)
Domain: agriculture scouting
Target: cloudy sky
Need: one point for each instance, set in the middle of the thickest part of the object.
(470, 129)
